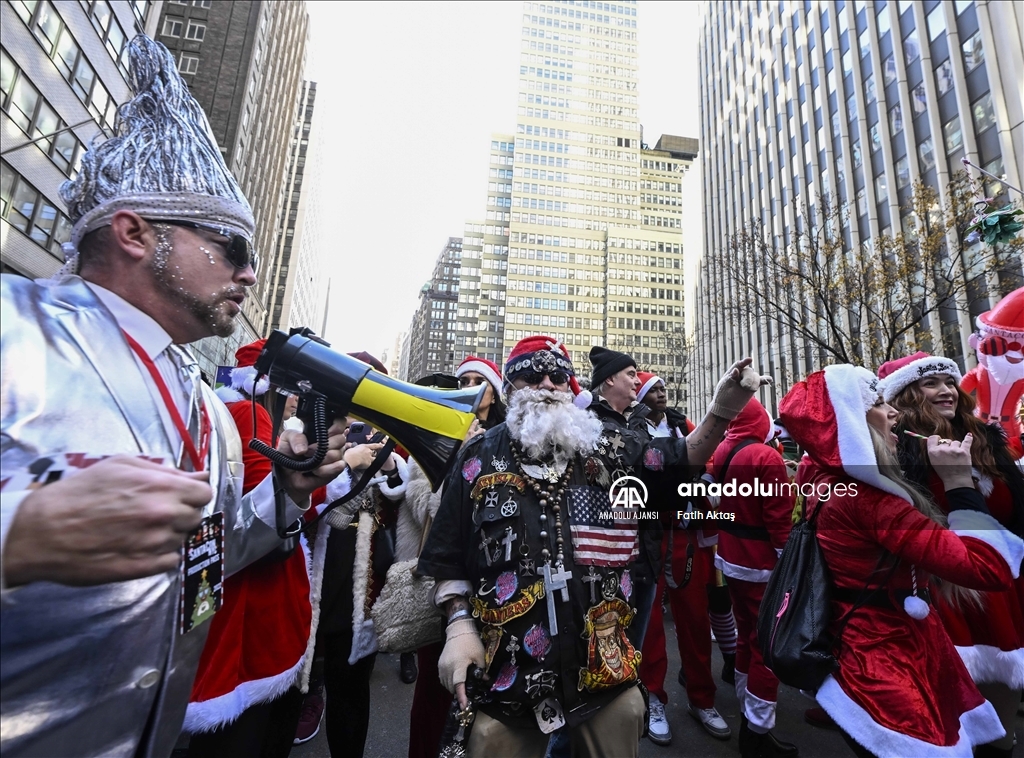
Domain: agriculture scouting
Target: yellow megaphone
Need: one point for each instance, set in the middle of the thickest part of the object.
(430, 423)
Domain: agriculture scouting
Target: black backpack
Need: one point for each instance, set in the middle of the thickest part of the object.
(792, 626)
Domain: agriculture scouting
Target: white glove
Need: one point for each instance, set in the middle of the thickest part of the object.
(735, 389)
(461, 648)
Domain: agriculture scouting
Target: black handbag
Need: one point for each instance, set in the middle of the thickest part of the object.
(792, 625)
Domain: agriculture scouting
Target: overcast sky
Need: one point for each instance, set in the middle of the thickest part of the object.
(410, 93)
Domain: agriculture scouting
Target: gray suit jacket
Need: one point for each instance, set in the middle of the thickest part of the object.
(91, 671)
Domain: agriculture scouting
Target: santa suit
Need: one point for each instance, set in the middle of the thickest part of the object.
(258, 640)
(748, 549)
(900, 689)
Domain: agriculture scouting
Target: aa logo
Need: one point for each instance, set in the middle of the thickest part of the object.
(628, 492)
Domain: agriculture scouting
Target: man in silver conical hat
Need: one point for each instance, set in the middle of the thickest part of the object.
(121, 503)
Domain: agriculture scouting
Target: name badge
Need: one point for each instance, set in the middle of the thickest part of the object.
(202, 574)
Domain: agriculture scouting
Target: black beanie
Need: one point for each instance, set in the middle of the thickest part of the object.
(607, 363)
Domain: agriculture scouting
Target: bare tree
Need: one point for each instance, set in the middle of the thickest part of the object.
(865, 304)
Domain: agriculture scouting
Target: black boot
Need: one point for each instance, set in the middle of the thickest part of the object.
(407, 668)
(755, 745)
(988, 751)
(729, 668)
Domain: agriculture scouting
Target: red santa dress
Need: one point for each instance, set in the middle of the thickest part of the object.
(900, 689)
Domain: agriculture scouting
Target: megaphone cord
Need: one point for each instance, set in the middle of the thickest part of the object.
(314, 461)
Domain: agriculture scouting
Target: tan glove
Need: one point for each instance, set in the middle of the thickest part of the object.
(461, 648)
(735, 389)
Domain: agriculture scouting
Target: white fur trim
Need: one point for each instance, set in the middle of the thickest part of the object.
(703, 541)
(846, 391)
(583, 400)
(420, 504)
(398, 492)
(648, 385)
(229, 395)
(243, 377)
(316, 579)
(364, 640)
(987, 663)
(985, 484)
(915, 607)
(741, 688)
(760, 713)
(207, 715)
(981, 526)
(904, 376)
(484, 370)
(743, 573)
(977, 727)
(997, 331)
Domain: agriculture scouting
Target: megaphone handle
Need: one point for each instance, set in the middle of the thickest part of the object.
(314, 461)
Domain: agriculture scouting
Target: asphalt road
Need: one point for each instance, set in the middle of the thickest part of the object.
(389, 720)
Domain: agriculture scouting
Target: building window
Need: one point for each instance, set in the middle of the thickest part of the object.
(944, 77)
(936, 22)
(889, 70)
(895, 120)
(902, 172)
(952, 135)
(26, 209)
(851, 107)
(862, 202)
(847, 63)
(904, 5)
(870, 95)
(974, 53)
(911, 47)
(865, 43)
(919, 99)
(883, 21)
(196, 32)
(962, 5)
(992, 187)
(876, 137)
(926, 150)
(984, 116)
(857, 157)
(172, 27)
(188, 64)
(202, 3)
(881, 189)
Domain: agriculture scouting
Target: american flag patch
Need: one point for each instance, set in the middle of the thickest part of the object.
(597, 539)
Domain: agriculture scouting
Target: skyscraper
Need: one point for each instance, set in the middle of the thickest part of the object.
(854, 100)
(244, 63)
(63, 71)
(431, 345)
(580, 220)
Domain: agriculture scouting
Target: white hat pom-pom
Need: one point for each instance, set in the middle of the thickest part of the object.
(583, 400)
(915, 607)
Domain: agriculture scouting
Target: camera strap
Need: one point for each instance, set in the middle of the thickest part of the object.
(371, 471)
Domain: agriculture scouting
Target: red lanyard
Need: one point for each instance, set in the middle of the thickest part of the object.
(198, 457)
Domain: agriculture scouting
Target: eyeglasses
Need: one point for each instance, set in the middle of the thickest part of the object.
(238, 250)
(535, 377)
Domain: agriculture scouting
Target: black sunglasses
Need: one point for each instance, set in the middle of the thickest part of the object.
(238, 250)
(536, 377)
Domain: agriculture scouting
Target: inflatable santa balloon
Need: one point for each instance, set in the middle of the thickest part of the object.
(998, 379)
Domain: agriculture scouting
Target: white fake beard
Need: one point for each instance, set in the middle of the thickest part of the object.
(1004, 372)
(549, 426)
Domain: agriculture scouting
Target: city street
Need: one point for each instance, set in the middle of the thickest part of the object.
(389, 720)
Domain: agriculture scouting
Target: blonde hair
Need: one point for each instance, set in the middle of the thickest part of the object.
(889, 467)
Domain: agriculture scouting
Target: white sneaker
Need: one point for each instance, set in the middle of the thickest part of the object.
(711, 720)
(658, 731)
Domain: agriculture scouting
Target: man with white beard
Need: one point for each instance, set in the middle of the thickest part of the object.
(535, 577)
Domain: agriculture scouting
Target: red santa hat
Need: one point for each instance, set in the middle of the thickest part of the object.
(243, 376)
(544, 355)
(365, 357)
(647, 382)
(826, 414)
(896, 375)
(488, 369)
(1006, 319)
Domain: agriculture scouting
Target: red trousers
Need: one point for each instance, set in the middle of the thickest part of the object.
(430, 703)
(689, 606)
(752, 676)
